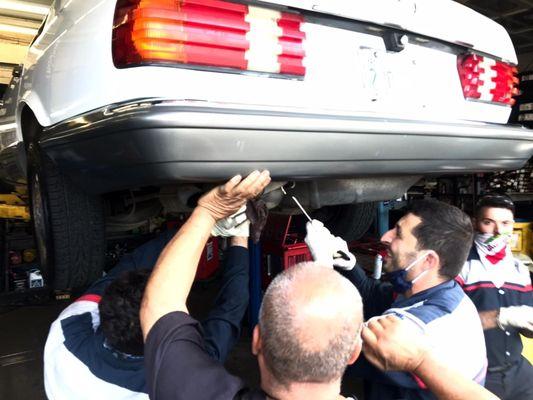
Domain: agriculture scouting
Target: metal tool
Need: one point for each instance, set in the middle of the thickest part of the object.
(378, 266)
(298, 204)
(337, 254)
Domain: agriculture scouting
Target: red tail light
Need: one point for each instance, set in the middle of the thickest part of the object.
(505, 83)
(486, 79)
(209, 33)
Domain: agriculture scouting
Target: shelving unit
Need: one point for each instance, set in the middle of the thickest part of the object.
(526, 196)
(15, 236)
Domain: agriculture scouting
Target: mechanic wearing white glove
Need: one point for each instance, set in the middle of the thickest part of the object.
(500, 287)
(328, 249)
(520, 317)
(426, 250)
(236, 225)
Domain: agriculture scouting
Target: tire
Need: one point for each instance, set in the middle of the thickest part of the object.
(68, 225)
(349, 221)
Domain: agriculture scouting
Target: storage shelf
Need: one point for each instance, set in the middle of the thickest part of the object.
(516, 196)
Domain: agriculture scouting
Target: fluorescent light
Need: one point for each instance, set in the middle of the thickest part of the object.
(23, 7)
(18, 29)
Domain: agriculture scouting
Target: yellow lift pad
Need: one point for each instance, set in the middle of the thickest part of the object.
(13, 207)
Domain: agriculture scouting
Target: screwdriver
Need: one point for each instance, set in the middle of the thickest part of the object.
(337, 254)
(298, 204)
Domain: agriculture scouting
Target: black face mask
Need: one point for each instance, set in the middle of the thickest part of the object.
(398, 277)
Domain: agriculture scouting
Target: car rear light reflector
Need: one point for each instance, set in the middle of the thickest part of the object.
(485, 79)
(209, 33)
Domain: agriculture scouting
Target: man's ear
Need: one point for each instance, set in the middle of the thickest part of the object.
(256, 341)
(432, 260)
(356, 351)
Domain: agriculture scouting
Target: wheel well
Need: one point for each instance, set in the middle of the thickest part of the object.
(30, 130)
(29, 126)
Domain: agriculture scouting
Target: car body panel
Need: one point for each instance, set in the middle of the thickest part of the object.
(430, 18)
(73, 56)
(12, 155)
(360, 110)
(158, 143)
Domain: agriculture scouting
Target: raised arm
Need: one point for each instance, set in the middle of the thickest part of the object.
(394, 345)
(519, 315)
(222, 327)
(333, 251)
(143, 257)
(173, 275)
(377, 296)
(438, 377)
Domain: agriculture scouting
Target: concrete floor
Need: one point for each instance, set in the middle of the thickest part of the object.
(22, 336)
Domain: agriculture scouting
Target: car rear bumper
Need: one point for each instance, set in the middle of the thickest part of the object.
(156, 143)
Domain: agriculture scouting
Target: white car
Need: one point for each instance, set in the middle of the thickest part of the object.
(355, 101)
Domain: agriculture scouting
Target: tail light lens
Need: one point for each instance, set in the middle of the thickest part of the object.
(209, 33)
(485, 79)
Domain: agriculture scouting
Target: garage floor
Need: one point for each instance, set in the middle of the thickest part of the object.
(23, 334)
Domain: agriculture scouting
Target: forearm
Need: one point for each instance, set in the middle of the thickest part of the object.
(366, 286)
(146, 255)
(172, 278)
(377, 296)
(438, 376)
(519, 317)
(233, 294)
(143, 257)
(223, 324)
(241, 241)
(527, 333)
(489, 319)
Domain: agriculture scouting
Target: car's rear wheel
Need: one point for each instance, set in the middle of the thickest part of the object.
(349, 221)
(68, 225)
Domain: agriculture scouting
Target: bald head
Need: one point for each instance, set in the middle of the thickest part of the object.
(309, 323)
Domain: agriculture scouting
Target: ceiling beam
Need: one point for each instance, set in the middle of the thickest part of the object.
(26, 7)
(12, 53)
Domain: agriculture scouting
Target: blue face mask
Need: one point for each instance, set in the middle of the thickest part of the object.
(398, 277)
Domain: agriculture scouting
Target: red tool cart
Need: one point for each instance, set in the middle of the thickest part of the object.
(282, 245)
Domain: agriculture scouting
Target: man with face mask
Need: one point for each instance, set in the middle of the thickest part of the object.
(500, 287)
(425, 251)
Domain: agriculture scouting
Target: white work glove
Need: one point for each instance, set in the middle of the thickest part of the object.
(235, 225)
(328, 249)
(517, 316)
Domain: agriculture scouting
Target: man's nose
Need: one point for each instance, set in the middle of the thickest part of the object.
(388, 236)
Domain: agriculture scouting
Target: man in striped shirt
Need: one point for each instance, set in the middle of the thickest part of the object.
(500, 287)
(95, 347)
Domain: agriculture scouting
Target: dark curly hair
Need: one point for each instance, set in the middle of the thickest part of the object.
(119, 312)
